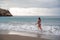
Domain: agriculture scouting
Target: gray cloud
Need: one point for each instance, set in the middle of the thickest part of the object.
(50, 4)
(31, 3)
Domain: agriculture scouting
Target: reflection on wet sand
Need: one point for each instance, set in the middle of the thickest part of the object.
(13, 35)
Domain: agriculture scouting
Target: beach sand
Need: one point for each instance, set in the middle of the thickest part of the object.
(5, 35)
(14, 35)
(18, 37)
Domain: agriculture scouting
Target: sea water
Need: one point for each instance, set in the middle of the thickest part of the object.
(50, 24)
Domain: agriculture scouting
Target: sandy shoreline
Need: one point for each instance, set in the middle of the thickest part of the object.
(11, 35)
(18, 37)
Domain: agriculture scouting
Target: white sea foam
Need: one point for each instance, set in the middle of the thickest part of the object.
(31, 27)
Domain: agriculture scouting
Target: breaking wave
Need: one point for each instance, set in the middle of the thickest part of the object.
(31, 27)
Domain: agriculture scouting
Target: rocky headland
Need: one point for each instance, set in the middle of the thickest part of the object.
(4, 12)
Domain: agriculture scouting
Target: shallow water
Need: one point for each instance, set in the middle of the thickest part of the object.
(50, 25)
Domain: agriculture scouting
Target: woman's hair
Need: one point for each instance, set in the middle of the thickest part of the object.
(39, 18)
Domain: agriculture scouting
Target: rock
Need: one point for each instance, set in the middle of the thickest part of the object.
(4, 12)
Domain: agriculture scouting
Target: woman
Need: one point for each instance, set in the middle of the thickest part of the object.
(39, 23)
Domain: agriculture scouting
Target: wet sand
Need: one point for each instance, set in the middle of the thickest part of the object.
(18, 37)
(11, 35)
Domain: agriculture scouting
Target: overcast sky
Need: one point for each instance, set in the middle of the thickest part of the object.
(32, 7)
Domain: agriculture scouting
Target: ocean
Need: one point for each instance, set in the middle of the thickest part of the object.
(50, 24)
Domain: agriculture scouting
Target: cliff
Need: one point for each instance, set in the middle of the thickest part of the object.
(4, 12)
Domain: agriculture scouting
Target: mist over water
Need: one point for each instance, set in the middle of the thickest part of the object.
(50, 25)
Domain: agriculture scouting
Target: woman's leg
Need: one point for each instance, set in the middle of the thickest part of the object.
(40, 27)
